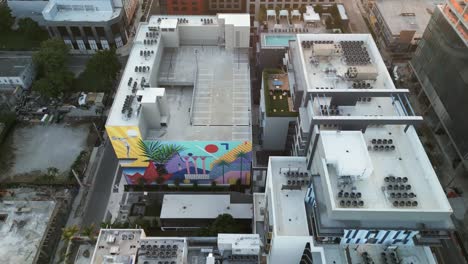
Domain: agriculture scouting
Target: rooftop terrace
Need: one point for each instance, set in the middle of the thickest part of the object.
(277, 96)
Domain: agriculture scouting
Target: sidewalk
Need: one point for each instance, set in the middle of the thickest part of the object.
(82, 198)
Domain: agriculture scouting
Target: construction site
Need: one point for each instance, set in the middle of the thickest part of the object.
(31, 220)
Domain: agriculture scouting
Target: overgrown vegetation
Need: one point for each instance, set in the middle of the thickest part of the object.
(53, 78)
(28, 36)
(100, 73)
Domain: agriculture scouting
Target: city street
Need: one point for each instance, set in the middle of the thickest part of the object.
(101, 188)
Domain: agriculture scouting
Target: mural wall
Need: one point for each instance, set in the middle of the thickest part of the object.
(189, 161)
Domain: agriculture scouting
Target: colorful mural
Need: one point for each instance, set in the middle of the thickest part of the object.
(125, 140)
(188, 161)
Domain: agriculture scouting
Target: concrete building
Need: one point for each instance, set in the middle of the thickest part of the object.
(132, 246)
(16, 72)
(361, 189)
(440, 64)
(255, 6)
(91, 25)
(202, 61)
(181, 7)
(399, 24)
(189, 211)
(23, 227)
(28, 9)
(277, 116)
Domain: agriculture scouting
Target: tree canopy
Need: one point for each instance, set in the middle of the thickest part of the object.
(100, 73)
(53, 77)
(30, 28)
(224, 223)
(6, 19)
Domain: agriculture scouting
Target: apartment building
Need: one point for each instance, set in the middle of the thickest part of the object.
(185, 7)
(440, 64)
(399, 24)
(254, 6)
(360, 187)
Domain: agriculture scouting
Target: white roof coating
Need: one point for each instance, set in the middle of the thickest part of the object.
(404, 157)
(237, 20)
(347, 152)
(310, 15)
(79, 10)
(22, 233)
(201, 206)
(288, 213)
(168, 23)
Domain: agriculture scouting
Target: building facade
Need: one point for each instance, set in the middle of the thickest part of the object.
(185, 7)
(399, 25)
(89, 26)
(440, 64)
(16, 72)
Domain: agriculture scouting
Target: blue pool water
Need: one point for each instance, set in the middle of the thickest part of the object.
(278, 40)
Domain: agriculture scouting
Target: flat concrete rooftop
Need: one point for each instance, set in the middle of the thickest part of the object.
(23, 229)
(400, 15)
(207, 87)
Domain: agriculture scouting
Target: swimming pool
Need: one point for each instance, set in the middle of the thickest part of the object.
(278, 40)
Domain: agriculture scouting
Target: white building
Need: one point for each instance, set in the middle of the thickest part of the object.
(187, 82)
(28, 9)
(16, 72)
(132, 246)
(87, 26)
(365, 188)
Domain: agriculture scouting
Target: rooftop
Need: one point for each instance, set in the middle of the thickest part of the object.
(288, 213)
(277, 96)
(12, 67)
(202, 206)
(207, 98)
(401, 15)
(79, 10)
(22, 229)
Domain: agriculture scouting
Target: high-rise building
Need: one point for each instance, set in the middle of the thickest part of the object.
(398, 24)
(440, 64)
(362, 188)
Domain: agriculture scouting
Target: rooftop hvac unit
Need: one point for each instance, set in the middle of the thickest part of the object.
(324, 49)
(366, 72)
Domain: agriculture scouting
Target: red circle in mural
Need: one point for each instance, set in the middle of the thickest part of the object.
(211, 148)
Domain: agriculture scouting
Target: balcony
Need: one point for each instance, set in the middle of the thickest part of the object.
(459, 27)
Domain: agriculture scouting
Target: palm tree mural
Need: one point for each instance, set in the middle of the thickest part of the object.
(241, 155)
(223, 163)
(158, 153)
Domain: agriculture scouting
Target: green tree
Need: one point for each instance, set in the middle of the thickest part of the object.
(223, 164)
(30, 28)
(6, 19)
(51, 57)
(54, 84)
(69, 232)
(159, 153)
(53, 77)
(224, 223)
(241, 155)
(100, 73)
(262, 13)
(89, 231)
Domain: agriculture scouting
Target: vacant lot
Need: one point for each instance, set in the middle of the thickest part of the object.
(34, 148)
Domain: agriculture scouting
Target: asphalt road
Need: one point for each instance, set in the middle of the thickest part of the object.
(101, 188)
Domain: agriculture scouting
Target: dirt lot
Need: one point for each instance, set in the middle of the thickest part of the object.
(30, 149)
